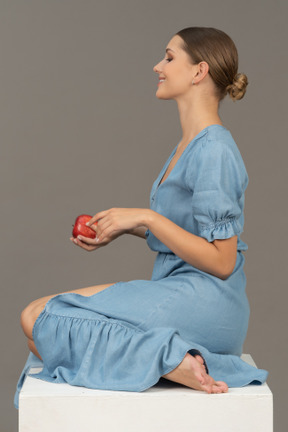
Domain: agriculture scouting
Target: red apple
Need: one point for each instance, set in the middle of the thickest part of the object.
(80, 227)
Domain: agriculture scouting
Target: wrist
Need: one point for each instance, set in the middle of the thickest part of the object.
(148, 218)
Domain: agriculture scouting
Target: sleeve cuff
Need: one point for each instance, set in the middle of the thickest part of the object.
(221, 230)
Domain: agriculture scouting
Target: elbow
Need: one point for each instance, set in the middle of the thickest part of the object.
(226, 257)
(224, 276)
(226, 271)
(223, 272)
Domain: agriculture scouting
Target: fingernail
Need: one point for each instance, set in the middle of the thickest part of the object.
(97, 239)
(75, 241)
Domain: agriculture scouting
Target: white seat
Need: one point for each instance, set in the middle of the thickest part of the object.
(167, 407)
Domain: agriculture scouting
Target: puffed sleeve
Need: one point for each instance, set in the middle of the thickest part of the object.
(218, 179)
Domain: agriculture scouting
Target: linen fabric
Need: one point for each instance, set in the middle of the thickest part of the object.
(129, 335)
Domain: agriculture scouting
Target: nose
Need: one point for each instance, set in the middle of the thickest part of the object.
(156, 68)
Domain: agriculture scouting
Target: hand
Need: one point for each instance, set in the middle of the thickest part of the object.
(83, 243)
(111, 224)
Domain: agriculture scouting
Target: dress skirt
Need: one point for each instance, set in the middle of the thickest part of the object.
(130, 334)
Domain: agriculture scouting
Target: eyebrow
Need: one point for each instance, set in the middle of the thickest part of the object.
(169, 49)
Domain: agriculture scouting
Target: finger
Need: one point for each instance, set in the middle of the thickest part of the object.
(105, 233)
(94, 226)
(75, 241)
(96, 217)
(99, 228)
(87, 240)
(103, 225)
(85, 246)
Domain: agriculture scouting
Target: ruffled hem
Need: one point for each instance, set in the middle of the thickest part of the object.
(220, 230)
(102, 353)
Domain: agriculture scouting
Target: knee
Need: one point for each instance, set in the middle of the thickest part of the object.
(26, 320)
(33, 349)
(29, 316)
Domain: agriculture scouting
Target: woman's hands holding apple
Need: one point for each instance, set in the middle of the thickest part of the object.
(110, 224)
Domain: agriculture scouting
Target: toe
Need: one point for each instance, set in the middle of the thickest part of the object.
(221, 387)
(199, 359)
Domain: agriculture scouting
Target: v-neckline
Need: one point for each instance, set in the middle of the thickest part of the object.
(166, 166)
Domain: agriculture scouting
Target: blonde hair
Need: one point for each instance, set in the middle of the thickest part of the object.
(218, 50)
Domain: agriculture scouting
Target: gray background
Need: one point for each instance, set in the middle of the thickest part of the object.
(82, 131)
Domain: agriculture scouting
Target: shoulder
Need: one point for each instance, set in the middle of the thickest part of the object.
(217, 140)
(216, 151)
(217, 143)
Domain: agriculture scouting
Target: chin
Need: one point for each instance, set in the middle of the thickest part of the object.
(162, 96)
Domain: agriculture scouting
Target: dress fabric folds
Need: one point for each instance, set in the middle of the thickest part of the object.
(130, 334)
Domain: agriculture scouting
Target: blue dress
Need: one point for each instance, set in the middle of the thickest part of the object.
(129, 335)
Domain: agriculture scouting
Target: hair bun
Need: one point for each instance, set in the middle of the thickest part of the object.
(238, 89)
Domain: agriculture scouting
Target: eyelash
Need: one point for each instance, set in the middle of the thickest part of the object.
(169, 59)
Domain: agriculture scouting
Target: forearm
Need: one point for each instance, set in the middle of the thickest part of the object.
(193, 249)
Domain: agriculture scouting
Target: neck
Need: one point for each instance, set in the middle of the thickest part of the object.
(196, 114)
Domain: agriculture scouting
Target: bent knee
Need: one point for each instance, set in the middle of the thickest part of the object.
(33, 349)
(30, 315)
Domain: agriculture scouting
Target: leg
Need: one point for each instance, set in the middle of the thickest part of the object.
(192, 373)
(33, 310)
(33, 349)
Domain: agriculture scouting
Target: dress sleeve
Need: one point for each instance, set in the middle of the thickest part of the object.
(218, 182)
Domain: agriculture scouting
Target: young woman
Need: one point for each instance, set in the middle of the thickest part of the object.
(188, 323)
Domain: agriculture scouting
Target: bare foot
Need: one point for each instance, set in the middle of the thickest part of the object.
(191, 372)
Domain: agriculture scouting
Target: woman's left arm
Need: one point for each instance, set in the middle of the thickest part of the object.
(217, 258)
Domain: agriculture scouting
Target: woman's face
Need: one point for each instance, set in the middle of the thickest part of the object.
(176, 71)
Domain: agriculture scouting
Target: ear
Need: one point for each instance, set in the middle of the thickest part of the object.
(201, 72)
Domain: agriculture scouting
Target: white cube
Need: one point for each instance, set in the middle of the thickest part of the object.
(167, 407)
